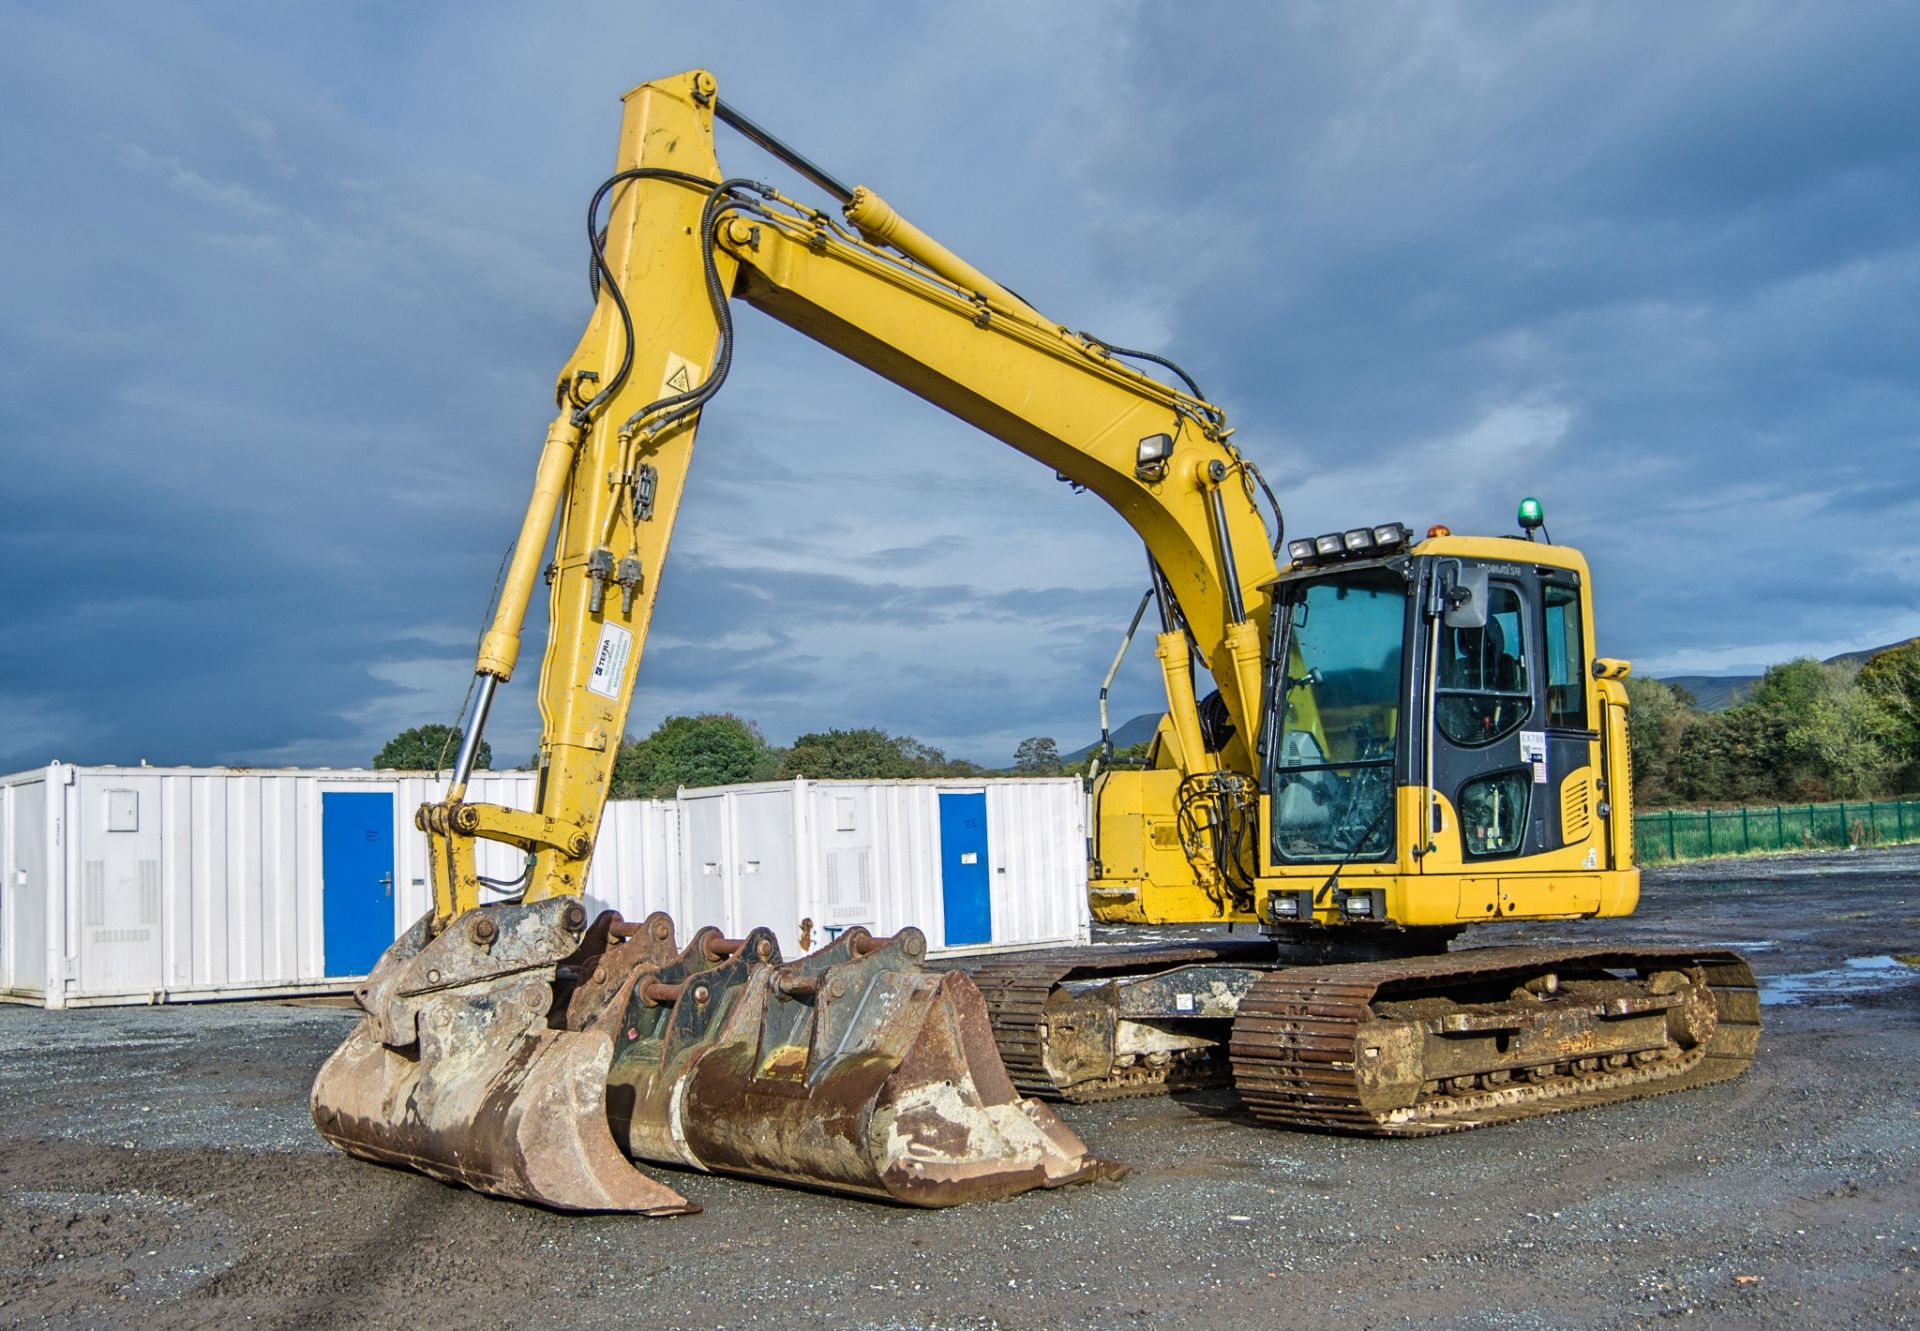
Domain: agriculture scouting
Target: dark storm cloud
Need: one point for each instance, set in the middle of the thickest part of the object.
(284, 291)
(1689, 239)
(832, 650)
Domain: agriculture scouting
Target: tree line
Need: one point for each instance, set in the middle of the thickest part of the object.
(722, 749)
(1806, 731)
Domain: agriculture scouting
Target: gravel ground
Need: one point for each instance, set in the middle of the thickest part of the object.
(157, 1170)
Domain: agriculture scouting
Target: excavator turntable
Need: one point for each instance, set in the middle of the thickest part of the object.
(1373, 742)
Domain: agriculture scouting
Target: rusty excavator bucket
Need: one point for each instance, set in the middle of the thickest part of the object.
(522, 1053)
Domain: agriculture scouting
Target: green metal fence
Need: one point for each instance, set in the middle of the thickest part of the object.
(1661, 835)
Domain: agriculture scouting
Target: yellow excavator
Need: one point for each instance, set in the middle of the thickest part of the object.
(1404, 737)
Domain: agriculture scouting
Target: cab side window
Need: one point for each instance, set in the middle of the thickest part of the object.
(1566, 659)
(1493, 813)
(1483, 690)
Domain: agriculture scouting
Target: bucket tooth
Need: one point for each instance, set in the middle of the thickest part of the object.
(457, 1071)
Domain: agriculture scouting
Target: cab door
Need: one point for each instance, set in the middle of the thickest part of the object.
(1490, 756)
(1512, 718)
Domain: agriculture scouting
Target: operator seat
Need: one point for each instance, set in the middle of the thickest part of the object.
(1477, 660)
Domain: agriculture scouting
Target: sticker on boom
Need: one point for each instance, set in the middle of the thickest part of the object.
(610, 661)
(680, 375)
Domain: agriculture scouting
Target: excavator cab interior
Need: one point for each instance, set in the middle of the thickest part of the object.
(1333, 769)
(1482, 674)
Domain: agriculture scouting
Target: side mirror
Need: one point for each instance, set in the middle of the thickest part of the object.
(1463, 587)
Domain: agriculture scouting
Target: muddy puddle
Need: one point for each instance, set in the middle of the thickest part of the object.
(1839, 985)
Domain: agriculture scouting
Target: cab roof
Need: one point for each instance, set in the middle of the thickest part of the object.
(1487, 549)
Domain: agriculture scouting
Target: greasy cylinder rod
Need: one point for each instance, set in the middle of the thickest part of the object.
(760, 138)
(1242, 638)
(470, 742)
(500, 644)
(881, 223)
(1106, 685)
(1229, 574)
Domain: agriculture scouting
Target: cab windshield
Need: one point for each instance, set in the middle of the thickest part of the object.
(1333, 756)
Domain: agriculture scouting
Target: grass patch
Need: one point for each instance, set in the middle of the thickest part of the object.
(1643, 861)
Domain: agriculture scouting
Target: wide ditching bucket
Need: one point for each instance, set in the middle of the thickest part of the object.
(526, 1054)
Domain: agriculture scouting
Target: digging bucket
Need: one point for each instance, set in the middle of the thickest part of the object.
(459, 1070)
(853, 1069)
(525, 1054)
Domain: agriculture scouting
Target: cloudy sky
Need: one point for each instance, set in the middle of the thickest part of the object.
(283, 289)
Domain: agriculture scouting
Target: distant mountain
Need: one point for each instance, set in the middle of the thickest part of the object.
(1134, 731)
(1716, 693)
(1856, 658)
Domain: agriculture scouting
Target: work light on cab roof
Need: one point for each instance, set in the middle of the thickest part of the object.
(1358, 541)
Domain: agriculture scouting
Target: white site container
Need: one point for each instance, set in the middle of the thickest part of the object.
(808, 859)
(636, 862)
(150, 884)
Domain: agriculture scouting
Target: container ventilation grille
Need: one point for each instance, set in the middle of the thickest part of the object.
(849, 886)
(94, 893)
(149, 891)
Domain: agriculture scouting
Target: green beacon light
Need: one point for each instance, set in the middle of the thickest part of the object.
(1532, 516)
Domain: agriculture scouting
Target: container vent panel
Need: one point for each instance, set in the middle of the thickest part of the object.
(94, 894)
(849, 886)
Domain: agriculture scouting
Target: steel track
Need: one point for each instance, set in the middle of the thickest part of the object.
(1296, 1043)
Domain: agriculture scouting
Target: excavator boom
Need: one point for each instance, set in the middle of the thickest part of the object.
(678, 245)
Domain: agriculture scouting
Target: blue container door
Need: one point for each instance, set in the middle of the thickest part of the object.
(965, 907)
(356, 879)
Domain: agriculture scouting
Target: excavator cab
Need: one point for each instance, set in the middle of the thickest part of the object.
(1441, 746)
(1438, 751)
